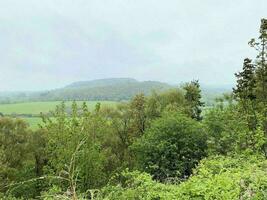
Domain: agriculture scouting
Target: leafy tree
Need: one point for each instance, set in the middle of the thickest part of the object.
(13, 133)
(66, 132)
(15, 157)
(153, 106)
(261, 70)
(252, 83)
(171, 147)
(228, 131)
(171, 100)
(245, 93)
(138, 111)
(38, 142)
(122, 126)
(246, 82)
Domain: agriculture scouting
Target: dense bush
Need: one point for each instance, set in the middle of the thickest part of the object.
(228, 131)
(171, 147)
(240, 177)
(217, 178)
(16, 164)
(138, 186)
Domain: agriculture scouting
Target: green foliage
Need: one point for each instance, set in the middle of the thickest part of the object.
(228, 132)
(251, 91)
(65, 134)
(16, 163)
(193, 98)
(216, 178)
(220, 178)
(137, 106)
(137, 186)
(171, 147)
(172, 100)
(13, 149)
(246, 82)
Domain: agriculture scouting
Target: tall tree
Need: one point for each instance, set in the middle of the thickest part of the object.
(193, 98)
(252, 82)
(138, 107)
(14, 152)
(245, 92)
(261, 73)
(261, 66)
(246, 82)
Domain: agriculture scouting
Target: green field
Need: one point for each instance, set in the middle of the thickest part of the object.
(45, 107)
(36, 108)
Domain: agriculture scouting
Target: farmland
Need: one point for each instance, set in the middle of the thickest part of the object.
(30, 111)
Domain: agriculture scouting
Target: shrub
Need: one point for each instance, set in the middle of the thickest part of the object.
(172, 147)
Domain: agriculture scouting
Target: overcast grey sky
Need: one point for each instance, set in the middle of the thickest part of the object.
(49, 43)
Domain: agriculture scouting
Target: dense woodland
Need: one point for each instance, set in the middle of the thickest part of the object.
(161, 146)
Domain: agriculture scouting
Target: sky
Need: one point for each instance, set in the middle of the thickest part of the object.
(47, 44)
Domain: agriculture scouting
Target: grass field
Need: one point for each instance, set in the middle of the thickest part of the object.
(45, 107)
(37, 107)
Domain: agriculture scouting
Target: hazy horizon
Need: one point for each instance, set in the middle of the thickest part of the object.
(178, 84)
(50, 44)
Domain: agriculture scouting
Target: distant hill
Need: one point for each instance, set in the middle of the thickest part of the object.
(114, 89)
(102, 82)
